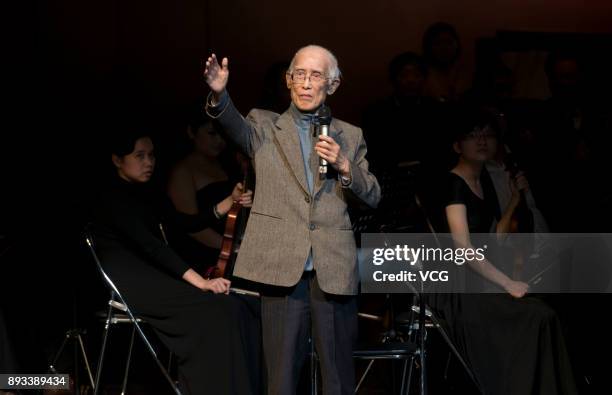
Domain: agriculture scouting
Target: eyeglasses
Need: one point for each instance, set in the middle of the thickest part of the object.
(477, 134)
(300, 76)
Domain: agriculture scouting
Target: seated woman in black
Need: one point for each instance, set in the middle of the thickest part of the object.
(513, 343)
(194, 317)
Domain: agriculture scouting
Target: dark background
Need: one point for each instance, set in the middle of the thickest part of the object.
(75, 64)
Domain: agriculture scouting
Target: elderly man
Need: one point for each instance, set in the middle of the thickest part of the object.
(298, 240)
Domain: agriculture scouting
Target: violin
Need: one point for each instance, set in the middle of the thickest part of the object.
(235, 225)
(522, 218)
(521, 222)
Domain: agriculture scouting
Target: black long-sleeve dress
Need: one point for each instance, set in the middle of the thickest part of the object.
(213, 336)
(514, 346)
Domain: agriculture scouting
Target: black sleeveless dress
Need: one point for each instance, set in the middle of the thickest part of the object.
(200, 256)
(513, 346)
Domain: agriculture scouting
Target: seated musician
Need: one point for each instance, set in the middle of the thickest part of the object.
(512, 342)
(194, 317)
(198, 182)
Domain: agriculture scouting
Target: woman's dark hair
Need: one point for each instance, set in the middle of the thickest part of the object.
(199, 120)
(430, 35)
(197, 117)
(468, 118)
(123, 137)
(402, 60)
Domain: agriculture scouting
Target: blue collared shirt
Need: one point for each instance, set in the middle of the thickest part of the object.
(303, 123)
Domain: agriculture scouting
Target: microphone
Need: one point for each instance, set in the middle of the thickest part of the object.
(324, 118)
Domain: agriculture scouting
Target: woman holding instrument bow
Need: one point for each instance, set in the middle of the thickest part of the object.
(194, 317)
(512, 342)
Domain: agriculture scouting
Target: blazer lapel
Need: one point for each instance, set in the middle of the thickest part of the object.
(290, 144)
(335, 132)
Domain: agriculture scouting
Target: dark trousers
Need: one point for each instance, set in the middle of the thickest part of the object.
(288, 316)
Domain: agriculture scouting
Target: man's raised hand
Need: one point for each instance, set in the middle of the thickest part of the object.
(216, 75)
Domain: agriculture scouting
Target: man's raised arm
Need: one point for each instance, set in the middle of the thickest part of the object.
(220, 107)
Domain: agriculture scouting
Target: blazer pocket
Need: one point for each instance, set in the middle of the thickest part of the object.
(265, 215)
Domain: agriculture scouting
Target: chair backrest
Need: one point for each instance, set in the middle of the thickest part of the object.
(115, 294)
(89, 240)
(116, 297)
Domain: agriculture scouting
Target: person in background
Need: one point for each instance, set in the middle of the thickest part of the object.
(441, 51)
(196, 184)
(512, 342)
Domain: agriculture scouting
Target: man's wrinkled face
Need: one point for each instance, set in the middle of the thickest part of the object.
(309, 81)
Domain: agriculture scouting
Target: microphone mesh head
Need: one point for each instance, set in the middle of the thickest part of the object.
(324, 115)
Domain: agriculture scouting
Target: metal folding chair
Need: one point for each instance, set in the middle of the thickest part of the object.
(409, 349)
(403, 351)
(120, 312)
(405, 321)
(406, 351)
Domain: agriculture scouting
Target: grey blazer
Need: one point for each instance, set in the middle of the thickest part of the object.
(286, 221)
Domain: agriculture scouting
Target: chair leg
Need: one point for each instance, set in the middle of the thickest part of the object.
(448, 360)
(422, 347)
(127, 364)
(57, 355)
(170, 355)
(363, 376)
(86, 360)
(154, 355)
(410, 375)
(454, 350)
(403, 389)
(107, 327)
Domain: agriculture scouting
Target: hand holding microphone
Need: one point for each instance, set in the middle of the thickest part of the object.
(327, 148)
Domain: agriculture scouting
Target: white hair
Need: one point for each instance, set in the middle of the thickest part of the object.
(333, 71)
